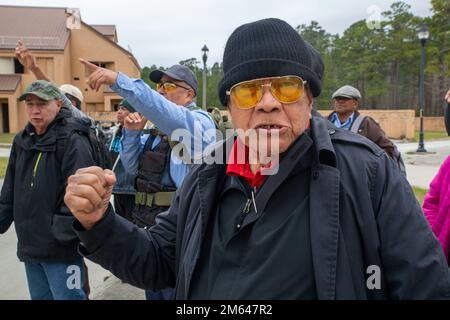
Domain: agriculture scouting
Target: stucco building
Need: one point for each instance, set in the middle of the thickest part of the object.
(57, 37)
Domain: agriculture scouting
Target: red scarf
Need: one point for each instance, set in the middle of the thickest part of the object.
(243, 169)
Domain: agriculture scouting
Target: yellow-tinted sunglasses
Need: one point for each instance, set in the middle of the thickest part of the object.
(169, 86)
(286, 89)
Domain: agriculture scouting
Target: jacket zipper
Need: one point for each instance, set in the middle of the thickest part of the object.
(253, 199)
(35, 168)
(248, 205)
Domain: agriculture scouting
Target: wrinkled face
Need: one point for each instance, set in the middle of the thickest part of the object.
(270, 118)
(344, 105)
(180, 96)
(122, 113)
(41, 113)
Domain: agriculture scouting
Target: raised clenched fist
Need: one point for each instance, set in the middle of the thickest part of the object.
(88, 193)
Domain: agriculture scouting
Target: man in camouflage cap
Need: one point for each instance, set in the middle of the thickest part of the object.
(33, 192)
(47, 98)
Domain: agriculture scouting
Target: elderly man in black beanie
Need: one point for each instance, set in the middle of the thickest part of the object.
(336, 221)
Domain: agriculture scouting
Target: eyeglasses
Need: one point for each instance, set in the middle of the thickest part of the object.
(169, 86)
(286, 89)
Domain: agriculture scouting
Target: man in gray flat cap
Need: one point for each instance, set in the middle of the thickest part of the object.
(345, 115)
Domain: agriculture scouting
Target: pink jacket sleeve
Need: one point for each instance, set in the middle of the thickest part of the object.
(432, 200)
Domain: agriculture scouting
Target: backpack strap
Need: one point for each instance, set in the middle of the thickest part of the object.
(68, 127)
(61, 140)
(357, 123)
(60, 148)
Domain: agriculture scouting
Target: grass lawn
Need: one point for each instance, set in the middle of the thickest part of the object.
(430, 135)
(7, 137)
(420, 194)
(3, 165)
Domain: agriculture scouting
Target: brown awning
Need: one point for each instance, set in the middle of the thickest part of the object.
(9, 82)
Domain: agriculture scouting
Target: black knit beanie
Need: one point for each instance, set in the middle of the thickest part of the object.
(268, 48)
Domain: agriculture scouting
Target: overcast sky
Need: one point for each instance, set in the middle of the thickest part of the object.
(163, 32)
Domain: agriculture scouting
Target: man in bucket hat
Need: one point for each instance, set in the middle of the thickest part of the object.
(33, 191)
(336, 221)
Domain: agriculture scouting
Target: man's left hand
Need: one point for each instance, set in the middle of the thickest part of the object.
(135, 121)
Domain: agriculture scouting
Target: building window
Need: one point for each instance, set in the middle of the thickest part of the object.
(5, 117)
(106, 65)
(6, 65)
(100, 64)
(11, 66)
(115, 104)
(18, 67)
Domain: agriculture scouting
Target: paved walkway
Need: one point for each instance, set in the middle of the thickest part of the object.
(4, 152)
(422, 167)
(13, 285)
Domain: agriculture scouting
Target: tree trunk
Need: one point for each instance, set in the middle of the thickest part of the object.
(394, 75)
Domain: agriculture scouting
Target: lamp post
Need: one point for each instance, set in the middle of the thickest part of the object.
(423, 35)
(205, 57)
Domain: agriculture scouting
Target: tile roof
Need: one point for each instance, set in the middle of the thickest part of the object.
(40, 28)
(45, 28)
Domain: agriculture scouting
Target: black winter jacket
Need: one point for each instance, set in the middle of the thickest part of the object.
(33, 191)
(365, 222)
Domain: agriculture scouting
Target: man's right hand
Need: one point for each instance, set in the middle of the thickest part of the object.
(98, 76)
(135, 121)
(24, 56)
(88, 193)
(447, 97)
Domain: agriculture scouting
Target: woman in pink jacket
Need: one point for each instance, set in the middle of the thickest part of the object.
(436, 205)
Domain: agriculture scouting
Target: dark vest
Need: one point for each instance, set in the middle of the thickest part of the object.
(153, 192)
(153, 165)
(152, 195)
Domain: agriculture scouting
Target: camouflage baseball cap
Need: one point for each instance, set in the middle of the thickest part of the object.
(43, 89)
(124, 103)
